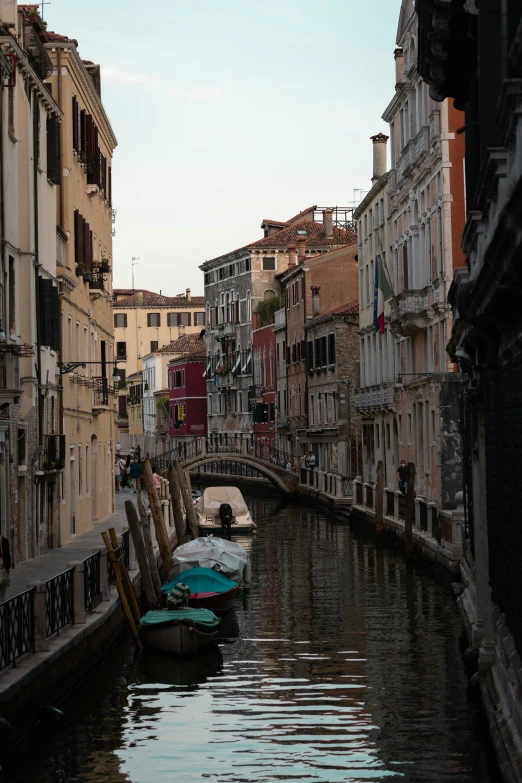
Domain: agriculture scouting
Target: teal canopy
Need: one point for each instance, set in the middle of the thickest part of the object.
(202, 580)
(201, 617)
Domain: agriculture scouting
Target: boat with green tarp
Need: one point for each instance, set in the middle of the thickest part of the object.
(179, 631)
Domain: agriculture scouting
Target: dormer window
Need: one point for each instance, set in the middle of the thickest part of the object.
(302, 232)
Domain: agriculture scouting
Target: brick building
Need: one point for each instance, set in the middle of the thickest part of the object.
(235, 283)
(328, 278)
(187, 397)
(332, 366)
(264, 392)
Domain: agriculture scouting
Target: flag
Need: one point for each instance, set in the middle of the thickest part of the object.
(382, 292)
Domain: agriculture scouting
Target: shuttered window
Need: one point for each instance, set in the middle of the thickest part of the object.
(109, 186)
(121, 349)
(75, 124)
(331, 348)
(199, 318)
(53, 150)
(89, 148)
(78, 237)
(120, 320)
(48, 313)
(153, 319)
(153, 345)
(310, 355)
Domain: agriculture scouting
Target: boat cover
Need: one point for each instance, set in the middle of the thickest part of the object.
(213, 497)
(201, 617)
(201, 580)
(209, 552)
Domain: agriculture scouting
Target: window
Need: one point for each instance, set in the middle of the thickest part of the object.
(153, 319)
(312, 421)
(121, 349)
(409, 428)
(153, 345)
(331, 348)
(80, 471)
(12, 295)
(53, 150)
(120, 320)
(269, 263)
(199, 319)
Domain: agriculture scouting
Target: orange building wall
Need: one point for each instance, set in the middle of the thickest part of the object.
(458, 212)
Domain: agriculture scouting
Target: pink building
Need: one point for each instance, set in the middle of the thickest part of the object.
(263, 393)
(187, 398)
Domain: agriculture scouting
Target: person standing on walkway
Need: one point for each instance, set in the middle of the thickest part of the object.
(5, 566)
(311, 460)
(135, 472)
(117, 474)
(402, 472)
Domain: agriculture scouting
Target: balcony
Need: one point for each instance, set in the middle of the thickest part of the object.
(411, 312)
(225, 331)
(280, 318)
(404, 163)
(434, 124)
(420, 145)
(101, 391)
(10, 371)
(378, 398)
(52, 457)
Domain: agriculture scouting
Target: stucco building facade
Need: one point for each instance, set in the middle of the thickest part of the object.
(84, 271)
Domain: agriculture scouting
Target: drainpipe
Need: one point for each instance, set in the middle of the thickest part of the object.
(37, 266)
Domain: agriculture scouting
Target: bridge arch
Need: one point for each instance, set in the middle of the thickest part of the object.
(195, 462)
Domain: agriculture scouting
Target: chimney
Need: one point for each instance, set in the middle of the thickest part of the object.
(292, 255)
(328, 222)
(379, 155)
(187, 294)
(301, 248)
(399, 66)
(316, 302)
(138, 298)
(8, 12)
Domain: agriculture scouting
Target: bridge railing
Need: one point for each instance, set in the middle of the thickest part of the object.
(269, 453)
(162, 462)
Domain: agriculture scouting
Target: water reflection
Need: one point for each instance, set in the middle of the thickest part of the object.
(339, 664)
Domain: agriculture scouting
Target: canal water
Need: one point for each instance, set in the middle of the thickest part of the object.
(339, 664)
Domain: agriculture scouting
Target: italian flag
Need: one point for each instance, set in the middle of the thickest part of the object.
(382, 292)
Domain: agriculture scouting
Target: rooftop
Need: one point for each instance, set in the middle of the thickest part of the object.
(151, 299)
(186, 345)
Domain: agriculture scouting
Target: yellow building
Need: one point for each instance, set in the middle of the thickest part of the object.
(145, 321)
(84, 272)
(135, 408)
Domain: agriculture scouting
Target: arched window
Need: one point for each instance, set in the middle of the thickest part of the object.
(269, 294)
(248, 307)
(227, 309)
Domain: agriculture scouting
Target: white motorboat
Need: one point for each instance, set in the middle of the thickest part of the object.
(209, 504)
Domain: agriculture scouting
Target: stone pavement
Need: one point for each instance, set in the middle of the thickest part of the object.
(56, 560)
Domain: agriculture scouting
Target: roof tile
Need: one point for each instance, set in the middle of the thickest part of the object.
(150, 299)
(186, 344)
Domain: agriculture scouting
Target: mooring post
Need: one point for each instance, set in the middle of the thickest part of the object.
(409, 508)
(379, 497)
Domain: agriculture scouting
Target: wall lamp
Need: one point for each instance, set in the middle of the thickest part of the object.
(66, 367)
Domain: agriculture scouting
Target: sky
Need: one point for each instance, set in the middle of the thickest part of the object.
(227, 112)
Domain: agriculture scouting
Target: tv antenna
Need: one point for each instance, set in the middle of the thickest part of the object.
(43, 3)
(134, 262)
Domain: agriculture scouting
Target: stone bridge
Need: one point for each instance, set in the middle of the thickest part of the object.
(267, 460)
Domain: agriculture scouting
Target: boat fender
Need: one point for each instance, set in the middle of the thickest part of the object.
(178, 596)
(247, 574)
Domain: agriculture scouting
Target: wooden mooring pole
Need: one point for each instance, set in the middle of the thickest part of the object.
(157, 516)
(141, 554)
(179, 522)
(409, 511)
(190, 514)
(149, 549)
(379, 498)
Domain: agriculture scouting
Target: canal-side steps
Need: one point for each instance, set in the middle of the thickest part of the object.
(437, 534)
(57, 625)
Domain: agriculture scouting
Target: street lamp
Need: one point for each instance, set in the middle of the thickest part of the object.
(66, 367)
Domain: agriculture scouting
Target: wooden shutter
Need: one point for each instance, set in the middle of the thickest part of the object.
(75, 123)
(46, 313)
(83, 138)
(331, 348)
(109, 187)
(53, 150)
(55, 334)
(79, 128)
(89, 148)
(78, 237)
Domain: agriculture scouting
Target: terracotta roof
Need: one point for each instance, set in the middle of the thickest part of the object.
(186, 344)
(352, 308)
(61, 38)
(293, 219)
(199, 354)
(150, 299)
(314, 236)
(120, 291)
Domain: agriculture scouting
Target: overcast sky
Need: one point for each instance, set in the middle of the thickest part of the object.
(227, 112)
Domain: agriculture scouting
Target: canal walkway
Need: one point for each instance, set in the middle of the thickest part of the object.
(56, 561)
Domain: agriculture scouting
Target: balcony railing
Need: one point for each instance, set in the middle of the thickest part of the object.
(410, 313)
(381, 396)
(404, 163)
(434, 124)
(100, 388)
(280, 318)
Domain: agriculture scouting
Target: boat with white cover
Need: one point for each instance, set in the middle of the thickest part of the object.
(208, 506)
(227, 557)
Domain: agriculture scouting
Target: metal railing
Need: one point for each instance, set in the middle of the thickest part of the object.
(267, 452)
(402, 506)
(59, 601)
(347, 486)
(16, 627)
(91, 576)
(423, 516)
(359, 495)
(162, 462)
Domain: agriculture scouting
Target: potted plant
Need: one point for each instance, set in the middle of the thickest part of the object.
(87, 276)
(81, 269)
(104, 265)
